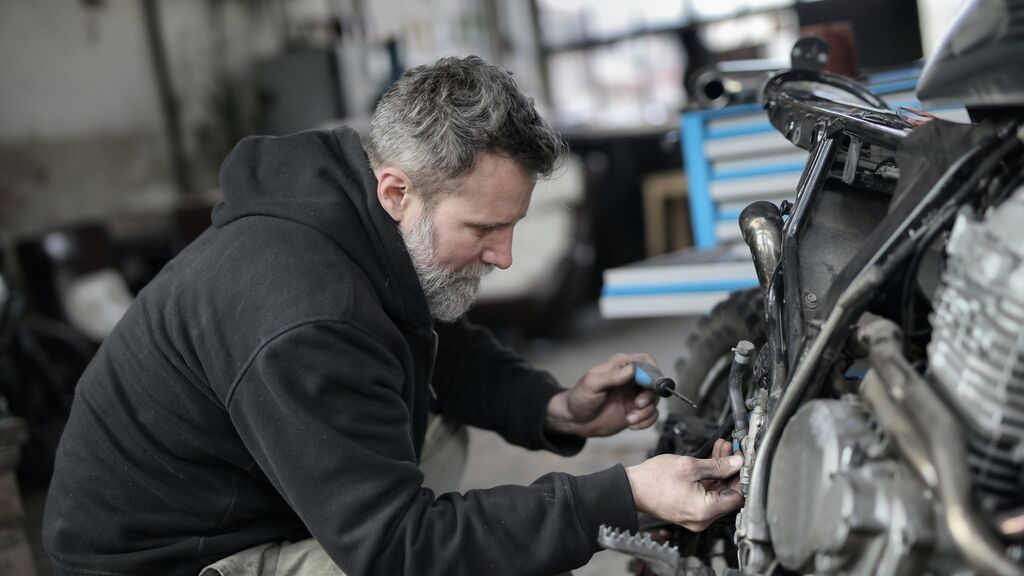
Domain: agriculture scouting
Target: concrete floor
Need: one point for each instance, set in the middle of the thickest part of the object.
(493, 462)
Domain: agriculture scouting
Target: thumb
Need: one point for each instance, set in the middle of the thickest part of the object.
(718, 468)
(602, 381)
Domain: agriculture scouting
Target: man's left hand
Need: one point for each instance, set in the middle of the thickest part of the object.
(604, 401)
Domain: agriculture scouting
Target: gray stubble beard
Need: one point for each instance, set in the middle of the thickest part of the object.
(450, 292)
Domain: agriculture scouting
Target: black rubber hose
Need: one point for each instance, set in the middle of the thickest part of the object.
(723, 432)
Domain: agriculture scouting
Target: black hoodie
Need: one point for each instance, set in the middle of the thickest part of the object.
(273, 382)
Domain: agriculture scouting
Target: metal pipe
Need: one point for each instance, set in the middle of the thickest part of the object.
(717, 85)
(796, 110)
(740, 360)
(761, 224)
(772, 88)
(776, 342)
(937, 429)
(891, 417)
(871, 131)
(808, 190)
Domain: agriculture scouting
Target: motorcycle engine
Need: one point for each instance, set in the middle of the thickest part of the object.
(976, 352)
(840, 499)
(840, 502)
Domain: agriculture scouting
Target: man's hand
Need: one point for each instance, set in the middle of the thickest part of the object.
(690, 492)
(604, 401)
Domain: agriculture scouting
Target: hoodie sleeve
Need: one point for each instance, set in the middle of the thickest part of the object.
(334, 438)
(485, 384)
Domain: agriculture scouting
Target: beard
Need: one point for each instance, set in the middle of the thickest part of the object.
(450, 291)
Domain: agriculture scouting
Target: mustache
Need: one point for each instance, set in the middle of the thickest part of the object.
(473, 271)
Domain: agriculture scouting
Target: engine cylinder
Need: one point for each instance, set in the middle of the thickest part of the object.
(976, 353)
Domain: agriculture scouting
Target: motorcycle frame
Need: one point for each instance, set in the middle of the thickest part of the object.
(804, 342)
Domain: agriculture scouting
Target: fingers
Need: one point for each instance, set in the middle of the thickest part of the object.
(645, 398)
(642, 410)
(664, 486)
(636, 416)
(645, 422)
(723, 502)
(719, 500)
(717, 468)
(722, 449)
(615, 371)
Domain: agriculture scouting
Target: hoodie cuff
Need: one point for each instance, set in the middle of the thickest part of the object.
(556, 442)
(605, 498)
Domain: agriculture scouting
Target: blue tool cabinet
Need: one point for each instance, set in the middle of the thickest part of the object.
(732, 157)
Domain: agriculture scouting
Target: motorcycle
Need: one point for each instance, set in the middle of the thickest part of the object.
(875, 381)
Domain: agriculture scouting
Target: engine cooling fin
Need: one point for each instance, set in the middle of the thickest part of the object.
(976, 353)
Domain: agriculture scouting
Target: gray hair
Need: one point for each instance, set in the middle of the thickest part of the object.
(436, 120)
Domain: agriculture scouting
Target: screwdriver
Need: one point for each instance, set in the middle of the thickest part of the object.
(648, 377)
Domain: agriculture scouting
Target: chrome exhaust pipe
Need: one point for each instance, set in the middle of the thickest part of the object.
(733, 81)
(761, 224)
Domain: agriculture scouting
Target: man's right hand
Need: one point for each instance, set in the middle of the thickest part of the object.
(688, 491)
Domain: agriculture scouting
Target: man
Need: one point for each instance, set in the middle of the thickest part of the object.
(273, 383)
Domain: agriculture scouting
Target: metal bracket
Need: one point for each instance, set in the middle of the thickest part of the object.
(852, 157)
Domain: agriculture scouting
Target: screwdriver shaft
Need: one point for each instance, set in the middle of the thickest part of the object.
(685, 399)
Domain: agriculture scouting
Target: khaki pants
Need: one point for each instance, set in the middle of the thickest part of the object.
(445, 450)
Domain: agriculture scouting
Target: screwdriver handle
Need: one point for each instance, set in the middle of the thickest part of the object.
(649, 377)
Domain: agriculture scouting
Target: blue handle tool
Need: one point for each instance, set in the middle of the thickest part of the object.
(648, 377)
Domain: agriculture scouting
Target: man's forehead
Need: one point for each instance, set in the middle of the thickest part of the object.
(495, 184)
(488, 204)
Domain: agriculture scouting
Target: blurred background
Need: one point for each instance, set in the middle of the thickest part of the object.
(116, 114)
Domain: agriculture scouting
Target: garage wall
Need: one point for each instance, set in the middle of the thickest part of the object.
(81, 132)
(70, 71)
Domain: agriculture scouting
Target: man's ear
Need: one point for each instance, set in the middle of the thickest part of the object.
(395, 192)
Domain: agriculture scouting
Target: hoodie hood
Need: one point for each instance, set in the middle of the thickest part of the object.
(322, 179)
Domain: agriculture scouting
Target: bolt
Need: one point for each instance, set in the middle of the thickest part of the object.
(811, 300)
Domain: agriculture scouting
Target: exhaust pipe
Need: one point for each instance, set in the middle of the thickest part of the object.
(761, 224)
(929, 434)
(733, 81)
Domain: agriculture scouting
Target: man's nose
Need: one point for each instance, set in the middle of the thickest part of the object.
(499, 252)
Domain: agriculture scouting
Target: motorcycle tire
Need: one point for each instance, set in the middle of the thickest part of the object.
(703, 368)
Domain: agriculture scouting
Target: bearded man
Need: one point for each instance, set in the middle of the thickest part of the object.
(263, 406)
